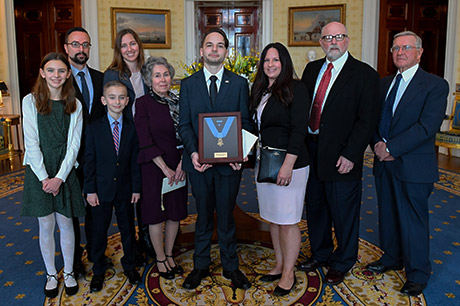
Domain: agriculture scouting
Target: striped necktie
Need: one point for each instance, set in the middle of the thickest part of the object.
(116, 136)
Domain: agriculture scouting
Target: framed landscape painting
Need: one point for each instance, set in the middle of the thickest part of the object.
(152, 26)
(305, 23)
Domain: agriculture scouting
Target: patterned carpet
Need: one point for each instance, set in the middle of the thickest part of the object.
(22, 271)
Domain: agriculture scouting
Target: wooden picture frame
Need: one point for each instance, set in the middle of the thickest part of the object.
(220, 138)
(305, 23)
(152, 26)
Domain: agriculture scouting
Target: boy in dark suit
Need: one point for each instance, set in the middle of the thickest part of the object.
(112, 179)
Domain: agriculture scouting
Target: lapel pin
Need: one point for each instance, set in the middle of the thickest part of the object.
(227, 81)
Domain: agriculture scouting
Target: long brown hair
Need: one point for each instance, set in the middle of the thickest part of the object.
(282, 87)
(118, 64)
(41, 92)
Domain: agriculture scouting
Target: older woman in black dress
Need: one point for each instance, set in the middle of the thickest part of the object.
(160, 156)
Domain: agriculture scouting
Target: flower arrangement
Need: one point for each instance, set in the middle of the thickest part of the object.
(245, 66)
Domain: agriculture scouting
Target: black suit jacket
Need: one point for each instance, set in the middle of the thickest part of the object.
(285, 127)
(194, 99)
(416, 120)
(97, 111)
(109, 175)
(349, 116)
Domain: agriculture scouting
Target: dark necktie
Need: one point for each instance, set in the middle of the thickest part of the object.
(84, 89)
(213, 89)
(116, 136)
(315, 116)
(387, 113)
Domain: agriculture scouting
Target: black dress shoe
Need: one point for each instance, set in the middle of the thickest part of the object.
(239, 280)
(169, 274)
(378, 267)
(311, 265)
(412, 289)
(78, 268)
(282, 292)
(176, 269)
(267, 278)
(334, 277)
(194, 278)
(51, 293)
(133, 276)
(96, 283)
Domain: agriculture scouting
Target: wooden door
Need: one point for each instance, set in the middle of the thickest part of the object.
(240, 23)
(427, 18)
(40, 29)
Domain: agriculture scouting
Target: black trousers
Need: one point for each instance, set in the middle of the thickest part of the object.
(102, 215)
(332, 204)
(215, 192)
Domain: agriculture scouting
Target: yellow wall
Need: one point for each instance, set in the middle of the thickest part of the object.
(174, 55)
(353, 21)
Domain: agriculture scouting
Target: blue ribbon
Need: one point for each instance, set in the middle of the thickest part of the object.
(214, 130)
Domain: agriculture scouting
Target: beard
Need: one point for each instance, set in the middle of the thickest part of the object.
(83, 61)
(334, 52)
(213, 61)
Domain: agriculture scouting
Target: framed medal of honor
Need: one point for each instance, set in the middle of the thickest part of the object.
(220, 139)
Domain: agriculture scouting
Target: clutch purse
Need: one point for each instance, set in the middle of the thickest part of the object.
(271, 160)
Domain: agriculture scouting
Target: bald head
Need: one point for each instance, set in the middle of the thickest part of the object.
(335, 27)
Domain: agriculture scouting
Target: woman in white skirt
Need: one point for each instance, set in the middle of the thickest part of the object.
(280, 105)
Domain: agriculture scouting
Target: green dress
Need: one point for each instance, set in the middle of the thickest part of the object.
(53, 129)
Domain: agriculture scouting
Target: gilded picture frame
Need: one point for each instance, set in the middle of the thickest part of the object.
(305, 23)
(152, 26)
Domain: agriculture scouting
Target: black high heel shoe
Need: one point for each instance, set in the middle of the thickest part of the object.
(282, 292)
(177, 269)
(169, 274)
(51, 293)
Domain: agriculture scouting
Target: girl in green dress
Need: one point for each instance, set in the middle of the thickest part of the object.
(52, 122)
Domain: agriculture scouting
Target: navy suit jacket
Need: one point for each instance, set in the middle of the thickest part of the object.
(113, 75)
(111, 176)
(194, 99)
(349, 116)
(416, 120)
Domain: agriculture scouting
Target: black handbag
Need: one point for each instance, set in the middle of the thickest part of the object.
(271, 160)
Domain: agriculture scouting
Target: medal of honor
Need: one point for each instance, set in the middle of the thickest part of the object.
(215, 132)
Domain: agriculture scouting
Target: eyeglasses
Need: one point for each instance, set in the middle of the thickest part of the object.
(76, 44)
(338, 37)
(403, 48)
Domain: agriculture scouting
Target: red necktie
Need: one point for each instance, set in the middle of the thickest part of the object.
(116, 136)
(315, 115)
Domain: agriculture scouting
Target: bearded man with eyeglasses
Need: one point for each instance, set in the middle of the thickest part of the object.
(88, 90)
(342, 120)
(405, 165)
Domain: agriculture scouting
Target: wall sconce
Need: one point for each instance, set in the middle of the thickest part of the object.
(3, 88)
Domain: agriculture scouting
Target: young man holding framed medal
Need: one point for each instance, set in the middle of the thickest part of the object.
(214, 186)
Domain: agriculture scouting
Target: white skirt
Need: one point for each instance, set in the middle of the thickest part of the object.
(283, 204)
